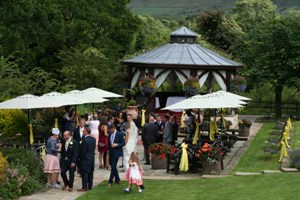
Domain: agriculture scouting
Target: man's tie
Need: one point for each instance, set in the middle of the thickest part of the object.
(112, 138)
(67, 144)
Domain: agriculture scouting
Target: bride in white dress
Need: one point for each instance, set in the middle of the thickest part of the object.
(131, 141)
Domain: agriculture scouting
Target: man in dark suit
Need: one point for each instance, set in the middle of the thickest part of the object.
(78, 136)
(149, 135)
(68, 160)
(161, 126)
(174, 129)
(78, 132)
(87, 160)
(115, 143)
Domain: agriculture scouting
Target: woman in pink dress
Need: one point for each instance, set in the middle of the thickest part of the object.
(103, 144)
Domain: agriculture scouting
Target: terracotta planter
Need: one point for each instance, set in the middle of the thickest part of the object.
(158, 163)
(208, 168)
(133, 111)
(244, 131)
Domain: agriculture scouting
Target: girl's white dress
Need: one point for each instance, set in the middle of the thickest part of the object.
(134, 174)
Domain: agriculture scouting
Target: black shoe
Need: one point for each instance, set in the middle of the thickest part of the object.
(146, 163)
(120, 166)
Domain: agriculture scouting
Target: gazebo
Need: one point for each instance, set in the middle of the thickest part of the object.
(180, 59)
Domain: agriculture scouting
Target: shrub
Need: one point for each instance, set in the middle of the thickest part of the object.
(25, 174)
(3, 168)
(13, 122)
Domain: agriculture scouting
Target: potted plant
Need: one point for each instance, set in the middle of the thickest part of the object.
(147, 86)
(159, 153)
(132, 108)
(191, 86)
(210, 157)
(244, 128)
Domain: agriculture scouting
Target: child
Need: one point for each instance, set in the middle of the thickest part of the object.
(134, 173)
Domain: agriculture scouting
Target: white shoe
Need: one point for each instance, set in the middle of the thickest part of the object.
(140, 190)
(55, 186)
(127, 190)
(48, 185)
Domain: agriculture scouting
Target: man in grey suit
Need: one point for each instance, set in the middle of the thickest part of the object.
(149, 135)
(167, 135)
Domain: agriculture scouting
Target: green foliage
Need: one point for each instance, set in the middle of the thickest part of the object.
(13, 122)
(3, 168)
(218, 28)
(25, 174)
(12, 81)
(35, 35)
(182, 9)
(269, 48)
(250, 13)
(83, 68)
(131, 102)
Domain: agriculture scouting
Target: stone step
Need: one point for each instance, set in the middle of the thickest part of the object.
(246, 173)
(271, 171)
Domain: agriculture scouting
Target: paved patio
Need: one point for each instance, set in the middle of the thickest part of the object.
(100, 175)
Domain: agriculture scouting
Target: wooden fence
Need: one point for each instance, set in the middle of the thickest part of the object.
(268, 107)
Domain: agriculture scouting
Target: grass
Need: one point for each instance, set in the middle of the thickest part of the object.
(296, 135)
(255, 159)
(267, 187)
(264, 186)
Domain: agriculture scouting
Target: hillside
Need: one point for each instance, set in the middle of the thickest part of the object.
(190, 7)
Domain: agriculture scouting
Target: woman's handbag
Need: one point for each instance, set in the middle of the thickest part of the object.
(100, 144)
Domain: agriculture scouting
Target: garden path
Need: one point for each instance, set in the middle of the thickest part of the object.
(102, 174)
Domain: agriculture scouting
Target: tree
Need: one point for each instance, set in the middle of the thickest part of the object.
(251, 13)
(271, 53)
(34, 33)
(12, 81)
(218, 28)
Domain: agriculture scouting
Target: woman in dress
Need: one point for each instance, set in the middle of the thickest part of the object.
(93, 123)
(103, 144)
(52, 167)
(131, 140)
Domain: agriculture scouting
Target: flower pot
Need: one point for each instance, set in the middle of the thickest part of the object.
(133, 111)
(208, 168)
(157, 162)
(244, 131)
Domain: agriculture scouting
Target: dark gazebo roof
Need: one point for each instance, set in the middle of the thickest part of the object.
(177, 55)
(182, 52)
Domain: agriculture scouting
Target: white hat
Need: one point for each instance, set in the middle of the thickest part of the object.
(55, 131)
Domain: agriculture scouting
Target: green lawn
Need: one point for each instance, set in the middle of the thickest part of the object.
(264, 186)
(255, 159)
(258, 187)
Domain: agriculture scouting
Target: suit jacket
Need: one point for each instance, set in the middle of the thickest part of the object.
(71, 154)
(87, 154)
(118, 150)
(160, 125)
(174, 131)
(76, 135)
(167, 136)
(149, 133)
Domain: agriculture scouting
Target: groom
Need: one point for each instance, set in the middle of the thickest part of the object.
(115, 143)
